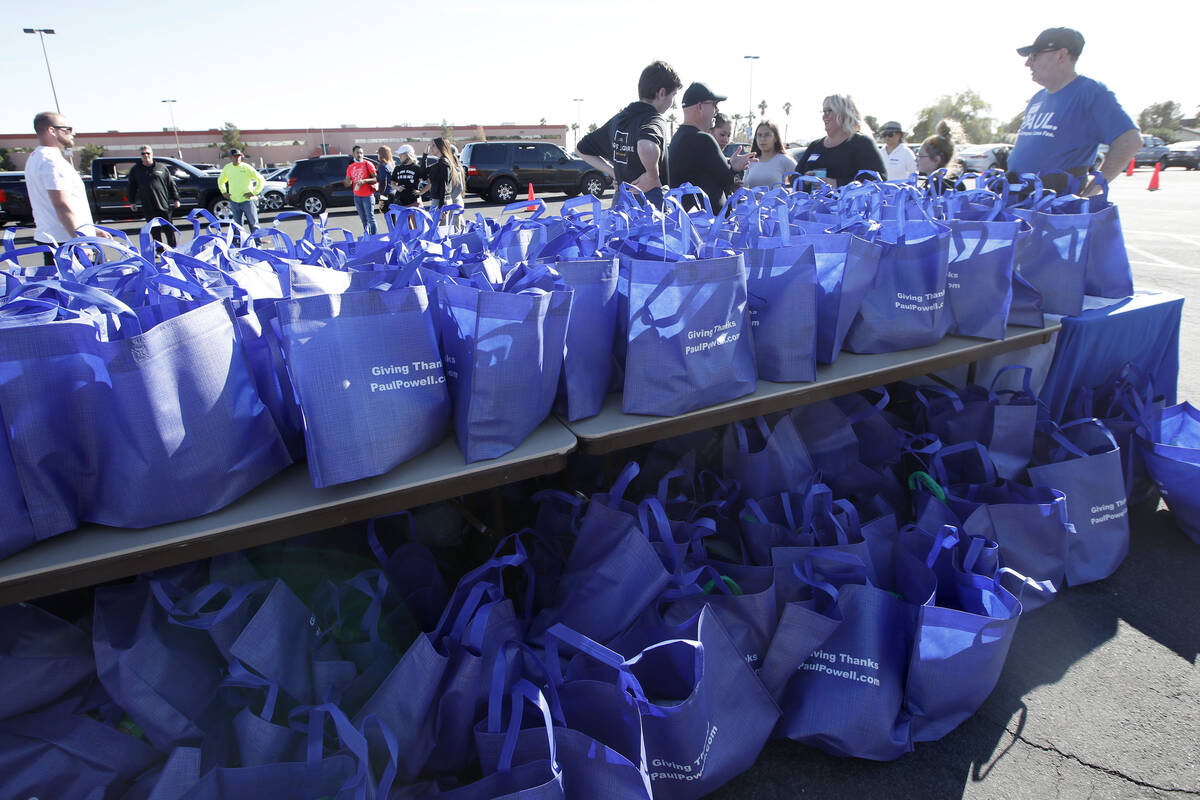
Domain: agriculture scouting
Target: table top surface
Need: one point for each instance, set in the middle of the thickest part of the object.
(287, 505)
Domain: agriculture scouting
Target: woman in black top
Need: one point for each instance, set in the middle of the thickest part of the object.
(445, 175)
(407, 177)
(844, 152)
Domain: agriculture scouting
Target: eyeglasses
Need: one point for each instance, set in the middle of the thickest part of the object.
(147, 153)
(66, 128)
(890, 134)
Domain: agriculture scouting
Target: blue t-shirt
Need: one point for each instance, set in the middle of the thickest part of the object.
(1061, 130)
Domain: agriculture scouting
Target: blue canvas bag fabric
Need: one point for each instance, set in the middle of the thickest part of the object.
(1053, 258)
(165, 677)
(1026, 309)
(1169, 443)
(597, 729)
(782, 286)
(695, 739)
(847, 696)
(689, 344)
(906, 304)
(961, 641)
(159, 426)
(359, 362)
(613, 572)
(60, 753)
(587, 363)
(979, 282)
(1083, 461)
(503, 352)
(42, 658)
(846, 268)
(766, 461)
(411, 568)
(770, 522)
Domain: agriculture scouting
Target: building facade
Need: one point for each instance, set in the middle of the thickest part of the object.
(277, 146)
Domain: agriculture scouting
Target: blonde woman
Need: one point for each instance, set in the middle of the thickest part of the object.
(843, 152)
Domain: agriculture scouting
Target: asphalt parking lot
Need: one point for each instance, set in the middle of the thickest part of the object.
(1100, 697)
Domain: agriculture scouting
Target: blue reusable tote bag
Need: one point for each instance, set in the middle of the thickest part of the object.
(587, 363)
(1083, 461)
(846, 267)
(906, 304)
(503, 353)
(690, 343)
(961, 641)
(1053, 258)
(368, 374)
(158, 426)
(979, 278)
(1107, 273)
(766, 461)
(782, 284)
(42, 658)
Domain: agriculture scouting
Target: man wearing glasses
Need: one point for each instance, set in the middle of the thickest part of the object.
(694, 155)
(152, 187)
(56, 193)
(1070, 117)
(897, 156)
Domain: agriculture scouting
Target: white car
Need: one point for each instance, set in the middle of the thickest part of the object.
(982, 157)
(275, 191)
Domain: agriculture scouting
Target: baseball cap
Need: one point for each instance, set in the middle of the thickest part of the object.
(891, 126)
(699, 93)
(1053, 39)
(406, 148)
(234, 152)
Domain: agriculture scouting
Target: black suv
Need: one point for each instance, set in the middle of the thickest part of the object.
(501, 171)
(315, 184)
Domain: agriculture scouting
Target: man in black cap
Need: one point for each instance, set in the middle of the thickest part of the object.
(631, 147)
(695, 157)
(1070, 117)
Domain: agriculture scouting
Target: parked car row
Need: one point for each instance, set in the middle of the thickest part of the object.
(1183, 154)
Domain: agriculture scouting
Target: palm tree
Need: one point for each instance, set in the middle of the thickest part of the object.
(787, 114)
(575, 130)
(672, 119)
(762, 107)
(737, 127)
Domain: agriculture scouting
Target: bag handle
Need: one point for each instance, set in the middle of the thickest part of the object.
(524, 690)
(560, 634)
(984, 461)
(651, 510)
(145, 242)
(500, 675)
(538, 204)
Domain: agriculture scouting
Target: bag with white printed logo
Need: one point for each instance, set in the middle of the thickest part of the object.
(367, 371)
(846, 697)
(1082, 460)
(906, 305)
(689, 340)
(705, 716)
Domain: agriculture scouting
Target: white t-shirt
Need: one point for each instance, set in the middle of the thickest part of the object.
(900, 163)
(769, 172)
(45, 170)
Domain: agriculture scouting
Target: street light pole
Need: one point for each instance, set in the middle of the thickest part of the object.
(174, 127)
(577, 100)
(750, 116)
(41, 35)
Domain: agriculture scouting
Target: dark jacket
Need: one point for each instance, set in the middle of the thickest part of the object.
(153, 187)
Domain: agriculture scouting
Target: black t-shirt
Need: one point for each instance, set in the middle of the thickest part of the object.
(617, 140)
(843, 162)
(406, 178)
(696, 158)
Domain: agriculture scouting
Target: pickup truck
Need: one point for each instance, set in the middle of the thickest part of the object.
(107, 190)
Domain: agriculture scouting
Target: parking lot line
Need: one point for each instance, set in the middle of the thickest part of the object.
(1192, 240)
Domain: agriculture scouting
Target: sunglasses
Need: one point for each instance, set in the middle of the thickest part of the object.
(146, 153)
(66, 128)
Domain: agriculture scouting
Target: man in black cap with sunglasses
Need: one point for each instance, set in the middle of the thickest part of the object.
(696, 158)
(1070, 117)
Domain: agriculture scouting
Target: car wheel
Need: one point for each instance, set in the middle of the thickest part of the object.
(503, 191)
(221, 208)
(593, 184)
(313, 203)
(272, 201)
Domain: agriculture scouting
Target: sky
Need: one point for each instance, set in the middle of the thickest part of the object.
(310, 63)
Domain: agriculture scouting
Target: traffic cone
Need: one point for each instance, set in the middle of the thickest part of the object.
(1132, 161)
(1153, 187)
(531, 207)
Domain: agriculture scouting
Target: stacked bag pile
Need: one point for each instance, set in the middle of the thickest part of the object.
(140, 386)
(848, 575)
